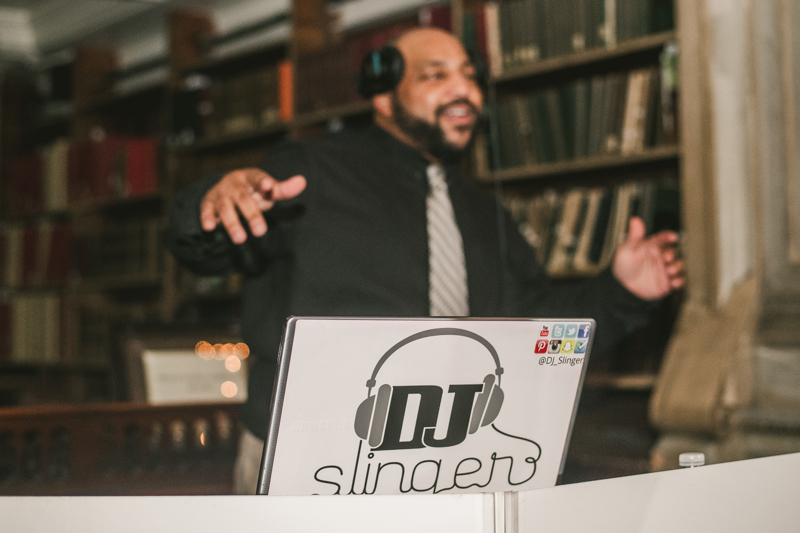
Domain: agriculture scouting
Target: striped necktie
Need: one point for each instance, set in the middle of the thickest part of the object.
(447, 270)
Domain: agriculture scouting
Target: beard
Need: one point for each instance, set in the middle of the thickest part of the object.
(431, 137)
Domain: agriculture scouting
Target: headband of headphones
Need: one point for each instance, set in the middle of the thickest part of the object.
(382, 69)
(435, 333)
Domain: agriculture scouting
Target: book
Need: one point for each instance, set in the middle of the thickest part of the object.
(25, 185)
(55, 164)
(581, 261)
(141, 172)
(286, 90)
(13, 255)
(567, 232)
(494, 50)
(5, 329)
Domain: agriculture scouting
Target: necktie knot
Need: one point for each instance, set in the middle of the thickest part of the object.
(436, 178)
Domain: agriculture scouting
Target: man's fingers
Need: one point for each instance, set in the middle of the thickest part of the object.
(246, 193)
(282, 190)
(636, 230)
(247, 205)
(675, 269)
(208, 215)
(229, 216)
(665, 238)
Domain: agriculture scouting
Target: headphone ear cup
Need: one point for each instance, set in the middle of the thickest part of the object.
(364, 417)
(381, 71)
(379, 416)
(480, 404)
(495, 403)
(371, 416)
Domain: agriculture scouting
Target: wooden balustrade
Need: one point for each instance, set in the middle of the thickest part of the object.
(118, 449)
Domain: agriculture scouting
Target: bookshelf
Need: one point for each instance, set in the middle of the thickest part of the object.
(536, 91)
(602, 163)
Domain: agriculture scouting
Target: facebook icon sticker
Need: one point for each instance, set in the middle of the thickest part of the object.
(583, 331)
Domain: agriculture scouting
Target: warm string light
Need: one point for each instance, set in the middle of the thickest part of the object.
(231, 354)
(222, 352)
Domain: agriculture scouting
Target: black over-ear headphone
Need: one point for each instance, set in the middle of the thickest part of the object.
(371, 414)
(382, 69)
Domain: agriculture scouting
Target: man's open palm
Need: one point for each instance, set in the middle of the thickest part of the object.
(650, 267)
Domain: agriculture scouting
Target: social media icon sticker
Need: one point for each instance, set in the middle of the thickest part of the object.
(541, 346)
(555, 346)
(558, 331)
(568, 346)
(572, 331)
(580, 346)
(544, 332)
(584, 330)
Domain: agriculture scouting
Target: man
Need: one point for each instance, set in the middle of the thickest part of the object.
(343, 226)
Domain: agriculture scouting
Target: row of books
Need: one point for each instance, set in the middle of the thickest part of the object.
(577, 232)
(31, 329)
(35, 255)
(207, 109)
(618, 113)
(126, 249)
(67, 173)
(521, 32)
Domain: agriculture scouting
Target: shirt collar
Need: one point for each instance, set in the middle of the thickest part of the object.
(400, 153)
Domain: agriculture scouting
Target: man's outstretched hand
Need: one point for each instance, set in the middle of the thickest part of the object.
(650, 267)
(248, 192)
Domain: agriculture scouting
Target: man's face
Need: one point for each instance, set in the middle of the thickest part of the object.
(438, 101)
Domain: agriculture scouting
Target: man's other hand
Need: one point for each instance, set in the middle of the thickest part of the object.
(650, 267)
(247, 192)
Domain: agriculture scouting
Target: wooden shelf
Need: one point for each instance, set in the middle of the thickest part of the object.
(56, 367)
(83, 207)
(121, 282)
(35, 218)
(12, 291)
(214, 64)
(94, 206)
(608, 380)
(559, 168)
(118, 98)
(225, 141)
(342, 111)
(589, 57)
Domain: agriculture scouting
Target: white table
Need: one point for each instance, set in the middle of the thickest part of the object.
(759, 495)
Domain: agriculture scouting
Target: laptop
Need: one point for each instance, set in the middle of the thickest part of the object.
(423, 405)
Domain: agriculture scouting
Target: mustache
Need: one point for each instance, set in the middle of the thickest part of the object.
(460, 101)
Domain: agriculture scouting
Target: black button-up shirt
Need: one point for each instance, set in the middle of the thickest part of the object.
(355, 243)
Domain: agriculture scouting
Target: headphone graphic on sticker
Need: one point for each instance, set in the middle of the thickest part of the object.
(371, 415)
(382, 69)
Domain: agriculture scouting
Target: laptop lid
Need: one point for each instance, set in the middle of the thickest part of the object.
(429, 405)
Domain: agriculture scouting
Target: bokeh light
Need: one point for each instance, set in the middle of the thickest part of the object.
(229, 389)
(233, 363)
(204, 350)
(242, 350)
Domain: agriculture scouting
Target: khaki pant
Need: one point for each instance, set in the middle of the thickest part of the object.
(248, 464)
